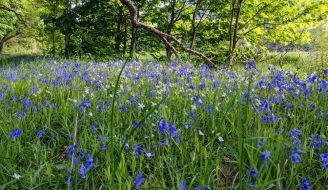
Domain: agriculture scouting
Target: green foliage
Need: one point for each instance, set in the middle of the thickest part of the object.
(320, 53)
(103, 28)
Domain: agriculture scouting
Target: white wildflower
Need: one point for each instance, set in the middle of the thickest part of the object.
(221, 139)
(17, 176)
(90, 114)
(141, 105)
(201, 133)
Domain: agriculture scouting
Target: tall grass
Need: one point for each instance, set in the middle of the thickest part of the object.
(214, 122)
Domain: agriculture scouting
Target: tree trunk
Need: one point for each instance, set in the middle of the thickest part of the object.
(8, 37)
(2, 45)
(67, 40)
(119, 28)
(67, 36)
(234, 40)
(133, 37)
(125, 34)
(230, 33)
(53, 30)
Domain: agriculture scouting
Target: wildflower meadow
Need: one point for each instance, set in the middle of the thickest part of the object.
(127, 124)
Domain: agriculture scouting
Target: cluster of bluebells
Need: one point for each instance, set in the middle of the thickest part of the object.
(271, 97)
(83, 167)
(18, 132)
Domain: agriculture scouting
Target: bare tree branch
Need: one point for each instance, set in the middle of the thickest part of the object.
(8, 36)
(136, 23)
(171, 47)
(201, 18)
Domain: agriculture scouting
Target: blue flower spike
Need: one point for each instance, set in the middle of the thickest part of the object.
(138, 180)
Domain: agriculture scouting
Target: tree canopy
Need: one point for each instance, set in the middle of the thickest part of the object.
(215, 31)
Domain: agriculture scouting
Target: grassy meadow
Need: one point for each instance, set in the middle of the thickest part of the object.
(79, 124)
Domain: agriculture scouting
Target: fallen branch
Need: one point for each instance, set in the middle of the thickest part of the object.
(134, 21)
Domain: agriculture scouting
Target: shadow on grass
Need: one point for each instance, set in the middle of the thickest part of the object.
(15, 60)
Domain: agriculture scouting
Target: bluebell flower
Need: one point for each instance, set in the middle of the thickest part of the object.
(81, 154)
(325, 165)
(183, 185)
(69, 170)
(136, 123)
(278, 131)
(18, 132)
(45, 104)
(192, 87)
(202, 86)
(187, 125)
(72, 150)
(7, 106)
(75, 161)
(261, 143)
(188, 79)
(94, 127)
(208, 109)
(295, 132)
(13, 98)
(297, 142)
(123, 139)
(306, 185)
(177, 138)
(173, 130)
(101, 138)
(297, 150)
(164, 142)
(126, 146)
(72, 135)
(81, 110)
(192, 114)
(125, 91)
(82, 169)
(152, 94)
(103, 147)
(253, 172)
(138, 180)
(123, 109)
(324, 157)
(162, 127)
(325, 71)
(107, 105)
(296, 158)
(136, 149)
(264, 156)
(201, 102)
(100, 109)
(89, 163)
(53, 105)
(68, 180)
(40, 133)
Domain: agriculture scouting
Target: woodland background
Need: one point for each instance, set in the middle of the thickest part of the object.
(225, 31)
